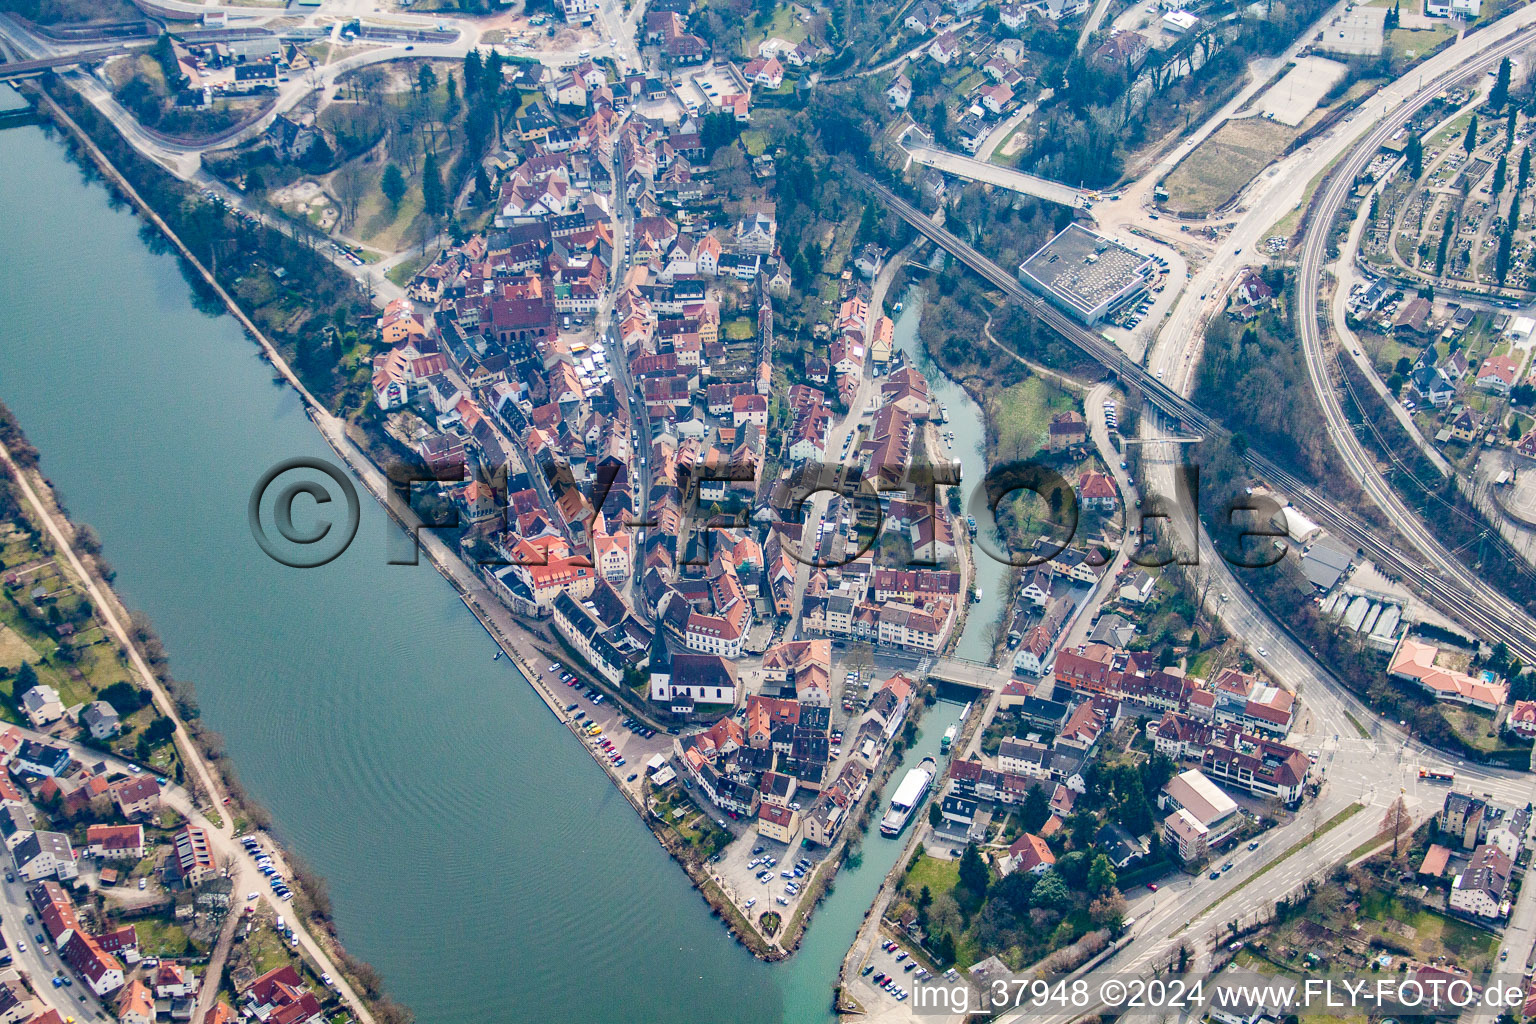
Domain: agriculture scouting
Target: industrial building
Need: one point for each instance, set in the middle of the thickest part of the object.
(1086, 274)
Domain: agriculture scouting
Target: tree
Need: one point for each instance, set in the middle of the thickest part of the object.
(393, 186)
(935, 818)
(1108, 910)
(1441, 252)
(1084, 825)
(1036, 810)
(26, 678)
(1051, 892)
(1499, 94)
(1506, 244)
(433, 197)
(482, 184)
(426, 81)
(1509, 129)
(1500, 172)
(1101, 876)
(944, 915)
(473, 69)
(1413, 153)
(973, 871)
(349, 184)
(1514, 428)
(490, 82)
(1469, 140)
(1397, 821)
(1523, 177)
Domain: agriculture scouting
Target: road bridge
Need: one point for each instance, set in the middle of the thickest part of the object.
(964, 672)
(30, 68)
(1446, 585)
(1003, 177)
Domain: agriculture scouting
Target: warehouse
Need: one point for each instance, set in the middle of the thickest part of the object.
(1086, 274)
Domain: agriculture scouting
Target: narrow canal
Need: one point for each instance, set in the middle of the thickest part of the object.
(970, 447)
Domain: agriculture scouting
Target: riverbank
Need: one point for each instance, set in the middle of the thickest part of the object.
(350, 973)
(38, 492)
(345, 441)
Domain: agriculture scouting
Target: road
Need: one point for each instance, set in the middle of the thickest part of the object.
(1453, 589)
(1361, 465)
(221, 834)
(994, 174)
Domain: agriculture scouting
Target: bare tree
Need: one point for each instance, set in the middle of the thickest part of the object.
(1397, 821)
(350, 183)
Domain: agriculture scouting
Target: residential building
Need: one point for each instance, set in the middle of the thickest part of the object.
(191, 858)
(42, 706)
(281, 997)
(1483, 888)
(45, 855)
(137, 797)
(100, 719)
(1184, 834)
(115, 842)
(99, 969)
(45, 760)
(781, 824)
(1191, 791)
(1028, 853)
(136, 1004)
(1416, 661)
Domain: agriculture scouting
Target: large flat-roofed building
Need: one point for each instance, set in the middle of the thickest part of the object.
(1086, 274)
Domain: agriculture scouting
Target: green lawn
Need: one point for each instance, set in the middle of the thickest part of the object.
(158, 937)
(1416, 44)
(940, 876)
(266, 950)
(1431, 934)
(1022, 414)
(739, 329)
(407, 269)
(784, 25)
(756, 142)
(1475, 728)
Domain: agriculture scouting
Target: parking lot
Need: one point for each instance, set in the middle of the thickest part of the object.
(622, 749)
(890, 974)
(745, 860)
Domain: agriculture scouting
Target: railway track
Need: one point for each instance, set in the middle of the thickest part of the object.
(1454, 593)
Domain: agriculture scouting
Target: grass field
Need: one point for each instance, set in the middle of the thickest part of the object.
(1224, 163)
(784, 25)
(1431, 934)
(1475, 728)
(161, 938)
(1022, 413)
(1415, 44)
(940, 876)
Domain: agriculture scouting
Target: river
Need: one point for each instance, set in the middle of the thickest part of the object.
(970, 447)
(474, 852)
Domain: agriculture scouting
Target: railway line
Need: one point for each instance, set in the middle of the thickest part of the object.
(1452, 590)
(1312, 328)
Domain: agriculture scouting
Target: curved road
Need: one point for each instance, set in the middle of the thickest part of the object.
(1314, 256)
